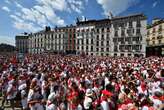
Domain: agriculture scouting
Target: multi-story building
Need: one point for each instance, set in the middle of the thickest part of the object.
(85, 37)
(57, 40)
(155, 38)
(118, 36)
(22, 42)
(48, 40)
(70, 39)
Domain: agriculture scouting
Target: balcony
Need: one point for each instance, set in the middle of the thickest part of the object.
(159, 37)
(153, 38)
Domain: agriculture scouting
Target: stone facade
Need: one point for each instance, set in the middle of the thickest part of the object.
(155, 38)
(118, 36)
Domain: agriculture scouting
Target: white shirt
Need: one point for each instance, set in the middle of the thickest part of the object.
(51, 107)
(12, 92)
(87, 102)
(105, 105)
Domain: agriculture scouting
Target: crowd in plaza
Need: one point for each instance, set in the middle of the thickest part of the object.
(56, 82)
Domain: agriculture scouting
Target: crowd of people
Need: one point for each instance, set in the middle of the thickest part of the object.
(56, 82)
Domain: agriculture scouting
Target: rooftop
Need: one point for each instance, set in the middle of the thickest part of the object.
(87, 22)
(155, 24)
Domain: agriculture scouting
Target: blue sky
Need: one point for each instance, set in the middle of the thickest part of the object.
(18, 16)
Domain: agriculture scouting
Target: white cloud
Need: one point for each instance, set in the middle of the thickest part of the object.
(155, 4)
(18, 5)
(17, 13)
(6, 9)
(44, 12)
(16, 18)
(55, 4)
(115, 6)
(7, 40)
(7, 1)
(20, 24)
(25, 26)
(64, 5)
(28, 14)
(41, 14)
(76, 5)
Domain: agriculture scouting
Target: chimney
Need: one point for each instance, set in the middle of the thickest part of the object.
(47, 28)
(77, 20)
(83, 18)
(110, 15)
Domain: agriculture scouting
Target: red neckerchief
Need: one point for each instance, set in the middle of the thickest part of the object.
(127, 101)
(143, 87)
(103, 98)
(155, 97)
(162, 98)
(49, 103)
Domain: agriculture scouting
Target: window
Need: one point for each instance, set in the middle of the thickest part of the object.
(97, 49)
(97, 43)
(91, 48)
(116, 27)
(159, 41)
(78, 42)
(129, 31)
(122, 33)
(136, 47)
(87, 48)
(160, 28)
(130, 24)
(97, 37)
(122, 25)
(52, 36)
(116, 33)
(122, 54)
(108, 29)
(102, 30)
(153, 30)
(97, 30)
(102, 37)
(153, 42)
(148, 32)
(107, 36)
(115, 40)
(136, 39)
(138, 31)
(87, 41)
(138, 24)
(82, 42)
(107, 43)
(82, 48)
(115, 48)
(107, 49)
(102, 43)
(74, 36)
(91, 41)
(140, 47)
